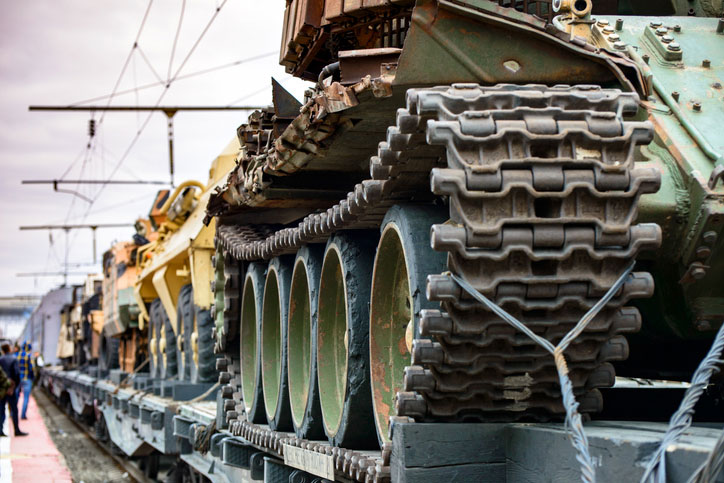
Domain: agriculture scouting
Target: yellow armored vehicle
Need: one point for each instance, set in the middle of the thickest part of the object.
(173, 289)
(123, 341)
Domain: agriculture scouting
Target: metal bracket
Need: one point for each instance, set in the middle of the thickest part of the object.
(716, 174)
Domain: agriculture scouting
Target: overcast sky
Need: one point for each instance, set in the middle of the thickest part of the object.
(60, 53)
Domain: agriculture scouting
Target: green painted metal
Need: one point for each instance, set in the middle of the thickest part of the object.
(472, 41)
(271, 352)
(248, 351)
(686, 106)
(128, 310)
(300, 342)
(332, 340)
(391, 319)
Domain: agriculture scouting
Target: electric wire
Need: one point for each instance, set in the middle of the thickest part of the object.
(158, 102)
(198, 40)
(150, 67)
(175, 41)
(178, 78)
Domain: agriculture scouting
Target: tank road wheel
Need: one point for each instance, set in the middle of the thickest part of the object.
(275, 307)
(108, 352)
(154, 325)
(184, 312)
(302, 343)
(167, 347)
(250, 335)
(404, 259)
(343, 341)
(198, 343)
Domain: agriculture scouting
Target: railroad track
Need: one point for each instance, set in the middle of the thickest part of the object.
(127, 466)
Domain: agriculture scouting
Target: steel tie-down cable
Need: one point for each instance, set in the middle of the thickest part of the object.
(682, 418)
(573, 418)
(710, 469)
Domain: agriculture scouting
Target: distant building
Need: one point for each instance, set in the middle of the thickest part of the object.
(43, 325)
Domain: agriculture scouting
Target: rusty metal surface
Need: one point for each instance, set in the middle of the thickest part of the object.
(357, 64)
(330, 141)
(367, 466)
(544, 260)
(543, 194)
(479, 41)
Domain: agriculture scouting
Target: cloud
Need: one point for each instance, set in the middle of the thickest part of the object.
(61, 52)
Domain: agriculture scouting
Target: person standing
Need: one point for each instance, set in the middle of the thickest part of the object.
(25, 367)
(9, 364)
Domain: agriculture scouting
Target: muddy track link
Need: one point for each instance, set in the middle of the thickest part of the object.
(363, 466)
(542, 190)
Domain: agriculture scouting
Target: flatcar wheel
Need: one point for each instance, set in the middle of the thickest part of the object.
(275, 307)
(250, 334)
(302, 343)
(343, 340)
(404, 259)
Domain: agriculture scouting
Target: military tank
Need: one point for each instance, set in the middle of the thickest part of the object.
(537, 155)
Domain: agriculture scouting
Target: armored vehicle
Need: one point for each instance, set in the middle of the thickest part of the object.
(123, 340)
(173, 287)
(477, 202)
(485, 218)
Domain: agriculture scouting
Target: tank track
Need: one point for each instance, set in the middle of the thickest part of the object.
(543, 190)
(228, 365)
(363, 466)
(543, 193)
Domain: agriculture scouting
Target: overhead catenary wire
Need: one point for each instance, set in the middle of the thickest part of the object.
(190, 75)
(175, 40)
(110, 98)
(158, 102)
(150, 67)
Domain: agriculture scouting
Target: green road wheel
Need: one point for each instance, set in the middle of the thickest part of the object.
(274, 343)
(403, 261)
(343, 340)
(302, 343)
(250, 337)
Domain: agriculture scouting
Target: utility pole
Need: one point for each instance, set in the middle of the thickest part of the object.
(170, 112)
(92, 226)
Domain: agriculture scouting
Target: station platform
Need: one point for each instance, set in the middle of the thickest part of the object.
(33, 457)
